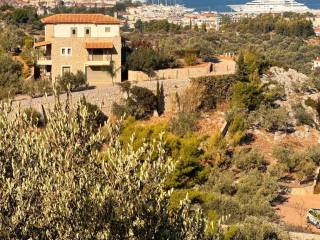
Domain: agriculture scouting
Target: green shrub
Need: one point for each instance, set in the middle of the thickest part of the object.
(303, 163)
(161, 26)
(214, 90)
(37, 88)
(10, 76)
(189, 171)
(277, 170)
(255, 192)
(141, 103)
(73, 81)
(95, 116)
(286, 155)
(306, 169)
(256, 228)
(238, 138)
(247, 160)
(147, 60)
(247, 96)
(185, 151)
(272, 119)
(302, 116)
(238, 123)
(311, 103)
(63, 185)
(222, 182)
(119, 110)
(237, 129)
(274, 93)
(224, 205)
(230, 232)
(146, 133)
(187, 174)
(190, 59)
(183, 123)
(313, 153)
(33, 117)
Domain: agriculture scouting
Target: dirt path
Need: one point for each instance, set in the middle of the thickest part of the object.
(223, 67)
(294, 210)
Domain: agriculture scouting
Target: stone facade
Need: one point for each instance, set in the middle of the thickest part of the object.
(66, 47)
(80, 55)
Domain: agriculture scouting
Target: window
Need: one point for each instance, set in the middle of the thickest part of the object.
(73, 31)
(66, 69)
(66, 51)
(107, 29)
(87, 32)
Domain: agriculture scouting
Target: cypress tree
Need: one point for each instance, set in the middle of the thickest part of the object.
(160, 99)
(242, 70)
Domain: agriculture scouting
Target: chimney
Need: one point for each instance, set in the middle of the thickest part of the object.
(115, 14)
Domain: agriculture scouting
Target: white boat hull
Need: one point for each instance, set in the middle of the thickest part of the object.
(273, 6)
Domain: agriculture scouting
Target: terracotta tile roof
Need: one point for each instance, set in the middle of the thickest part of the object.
(80, 18)
(100, 45)
(40, 44)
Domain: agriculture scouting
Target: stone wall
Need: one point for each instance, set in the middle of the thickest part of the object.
(105, 96)
(175, 73)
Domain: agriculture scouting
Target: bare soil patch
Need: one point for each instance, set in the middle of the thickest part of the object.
(294, 210)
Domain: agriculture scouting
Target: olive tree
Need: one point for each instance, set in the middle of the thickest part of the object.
(68, 181)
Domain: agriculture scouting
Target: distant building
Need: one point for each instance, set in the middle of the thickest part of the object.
(49, 4)
(87, 42)
(176, 14)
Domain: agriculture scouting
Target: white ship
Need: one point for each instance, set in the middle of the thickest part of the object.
(273, 6)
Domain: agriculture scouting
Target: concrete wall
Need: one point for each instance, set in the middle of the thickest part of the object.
(175, 73)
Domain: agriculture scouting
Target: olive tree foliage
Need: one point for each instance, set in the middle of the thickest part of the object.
(61, 183)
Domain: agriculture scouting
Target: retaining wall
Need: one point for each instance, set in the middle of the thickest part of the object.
(105, 96)
(175, 73)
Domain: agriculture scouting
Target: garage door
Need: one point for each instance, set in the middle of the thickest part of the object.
(98, 75)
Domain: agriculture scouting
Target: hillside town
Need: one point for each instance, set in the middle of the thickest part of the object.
(154, 120)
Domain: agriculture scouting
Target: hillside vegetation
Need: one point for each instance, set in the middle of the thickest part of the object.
(199, 172)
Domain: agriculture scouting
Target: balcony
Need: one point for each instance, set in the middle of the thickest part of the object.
(44, 60)
(98, 60)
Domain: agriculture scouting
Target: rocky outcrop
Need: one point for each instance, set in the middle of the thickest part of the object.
(291, 80)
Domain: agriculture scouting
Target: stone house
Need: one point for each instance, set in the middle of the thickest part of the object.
(90, 43)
